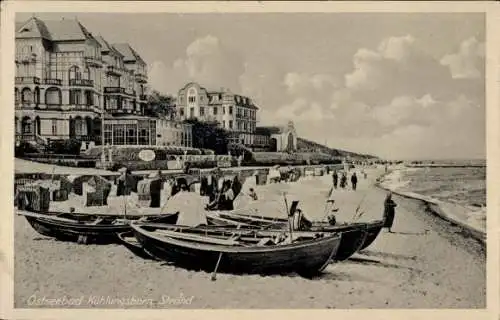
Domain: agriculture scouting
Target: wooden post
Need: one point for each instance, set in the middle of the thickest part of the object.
(290, 224)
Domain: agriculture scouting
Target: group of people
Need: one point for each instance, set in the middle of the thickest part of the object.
(343, 180)
(223, 198)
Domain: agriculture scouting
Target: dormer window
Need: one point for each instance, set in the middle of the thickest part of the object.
(26, 29)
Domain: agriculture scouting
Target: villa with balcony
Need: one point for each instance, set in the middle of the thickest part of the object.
(68, 80)
(233, 112)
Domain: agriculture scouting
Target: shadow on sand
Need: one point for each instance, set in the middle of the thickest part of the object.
(386, 255)
(343, 276)
(368, 262)
(411, 233)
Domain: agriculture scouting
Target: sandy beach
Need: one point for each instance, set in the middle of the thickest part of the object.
(426, 263)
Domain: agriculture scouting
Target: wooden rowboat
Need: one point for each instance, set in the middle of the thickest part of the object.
(86, 229)
(354, 235)
(373, 230)
(238, 251)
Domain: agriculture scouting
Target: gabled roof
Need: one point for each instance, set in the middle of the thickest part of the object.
(129, 54)
(106, 47)
(55, 30)
(32, 28)
(67, 29)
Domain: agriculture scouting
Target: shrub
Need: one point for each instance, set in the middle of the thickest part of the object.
(68, 146)
(24, 148)
(132, 153)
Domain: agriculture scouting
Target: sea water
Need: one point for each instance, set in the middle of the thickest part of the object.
(460, 191)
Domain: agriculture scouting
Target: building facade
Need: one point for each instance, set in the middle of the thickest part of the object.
(67, 79)
(235, 113)
(173, 133)
(277, 139)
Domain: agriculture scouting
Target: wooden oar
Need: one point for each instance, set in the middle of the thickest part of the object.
(214, 274)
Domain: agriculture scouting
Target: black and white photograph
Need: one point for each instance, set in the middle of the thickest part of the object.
(248, 160)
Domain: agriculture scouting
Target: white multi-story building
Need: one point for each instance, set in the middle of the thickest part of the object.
(67, 79)
(235, 113)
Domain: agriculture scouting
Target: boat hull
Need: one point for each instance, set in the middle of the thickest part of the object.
(373, 230)
(354, 235)
(76, 231)
(307, 258)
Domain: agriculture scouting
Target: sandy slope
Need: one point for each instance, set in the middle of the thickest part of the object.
(425, 264)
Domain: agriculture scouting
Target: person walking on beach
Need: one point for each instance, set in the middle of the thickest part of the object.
(389, 212)
(354, 181)
(335, 179)
(343, 181)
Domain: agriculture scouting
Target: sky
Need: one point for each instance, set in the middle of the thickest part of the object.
(395, 85)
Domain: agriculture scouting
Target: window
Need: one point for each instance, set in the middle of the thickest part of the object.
(202, 111)
(230, 124)
(223, 123)
(108, 133)
(143, 137)
(79, 126)
(244, 126)
(192, 99)
(181, 112)
(54, 127)
(86, 73)
(215, 111)
(119, 134)
(74, 73)
(26, 125)
(246, 113)
(131, 130)
(26, 96)
(53, 96)
(191, 112)
(223, 110)
(89, 98)
(75, 97)
(230, 109)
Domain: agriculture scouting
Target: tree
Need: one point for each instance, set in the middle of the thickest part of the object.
(208, 135)
(160, 105)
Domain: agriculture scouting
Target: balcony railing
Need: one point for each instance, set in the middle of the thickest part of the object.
(55, 82)
(82, 107)
(130, 92)
(93, 61)
(81, 82)
(114, 90)
(141, 77)
(115, 70)
(25, 105)
(27, 80)
(26, 58)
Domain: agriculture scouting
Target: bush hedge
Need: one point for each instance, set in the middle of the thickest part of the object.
(159, 164)
(68, 146)
(132, 153)
(281, 158)
(24, 148)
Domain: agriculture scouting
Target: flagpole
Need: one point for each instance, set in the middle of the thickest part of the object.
(103, 156)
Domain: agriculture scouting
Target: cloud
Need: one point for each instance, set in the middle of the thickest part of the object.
(206, 61)
(301, 83)
(467, 62)
(400, 67)
(303, 110)
(397, 101)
